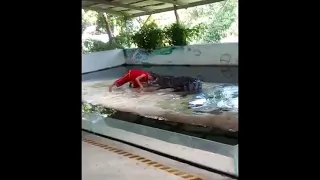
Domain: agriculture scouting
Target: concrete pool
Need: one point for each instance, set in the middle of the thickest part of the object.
(216, 106)
(200, 128)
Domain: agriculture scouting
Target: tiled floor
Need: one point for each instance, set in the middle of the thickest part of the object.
(100, 164)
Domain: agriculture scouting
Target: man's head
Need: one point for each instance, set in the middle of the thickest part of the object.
(153, 77)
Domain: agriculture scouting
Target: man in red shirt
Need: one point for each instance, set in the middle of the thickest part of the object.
(136, 78)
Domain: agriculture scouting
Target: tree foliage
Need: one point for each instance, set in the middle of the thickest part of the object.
(96, 46)
(217, 18)
(178, 34)
(221, 22)
(149, 37)
(89, 18)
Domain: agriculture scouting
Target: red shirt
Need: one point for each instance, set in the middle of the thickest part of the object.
(131, 77)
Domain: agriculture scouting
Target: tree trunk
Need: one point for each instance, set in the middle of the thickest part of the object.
(107, 27)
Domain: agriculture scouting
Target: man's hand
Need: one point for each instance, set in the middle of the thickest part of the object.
(110, 88)
(141, 89)
(138, 81)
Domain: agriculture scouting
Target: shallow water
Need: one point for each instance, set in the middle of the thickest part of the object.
(216, 99)
(220, 91)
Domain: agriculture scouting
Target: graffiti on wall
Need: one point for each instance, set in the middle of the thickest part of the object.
(195, 52)
(226, 71)
(225, 58)
(191, 54)
(135, 55)
(141, 55)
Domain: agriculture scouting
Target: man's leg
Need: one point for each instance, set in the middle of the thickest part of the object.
(124, 79)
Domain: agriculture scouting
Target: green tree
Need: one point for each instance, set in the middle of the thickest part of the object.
(217, 18)
(121, 25)
(221, 21)
(89, 18)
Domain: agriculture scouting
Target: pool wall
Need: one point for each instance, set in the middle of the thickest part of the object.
(101, 60)
(207, 54)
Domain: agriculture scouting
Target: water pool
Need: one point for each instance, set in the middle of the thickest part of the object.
(216, 106)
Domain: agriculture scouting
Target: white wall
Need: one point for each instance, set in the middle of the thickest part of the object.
(207, 54)
(101, 60)
(112, 73)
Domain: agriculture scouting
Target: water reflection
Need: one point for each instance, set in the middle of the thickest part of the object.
(214, 100)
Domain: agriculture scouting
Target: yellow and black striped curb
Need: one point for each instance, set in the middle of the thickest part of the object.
(146, 161)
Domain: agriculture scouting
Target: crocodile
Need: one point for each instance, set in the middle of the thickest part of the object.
(184, 84)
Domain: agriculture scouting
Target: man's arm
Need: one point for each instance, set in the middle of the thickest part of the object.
(138, 80)
(111, 86)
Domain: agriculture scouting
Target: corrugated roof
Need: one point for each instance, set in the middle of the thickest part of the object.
(135, 8)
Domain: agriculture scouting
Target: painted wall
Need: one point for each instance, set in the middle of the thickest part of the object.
(101, 60)
(207, 54)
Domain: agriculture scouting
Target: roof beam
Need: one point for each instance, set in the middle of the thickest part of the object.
(178, 7)
(174, 2)
(106, 11)
(116, 4)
